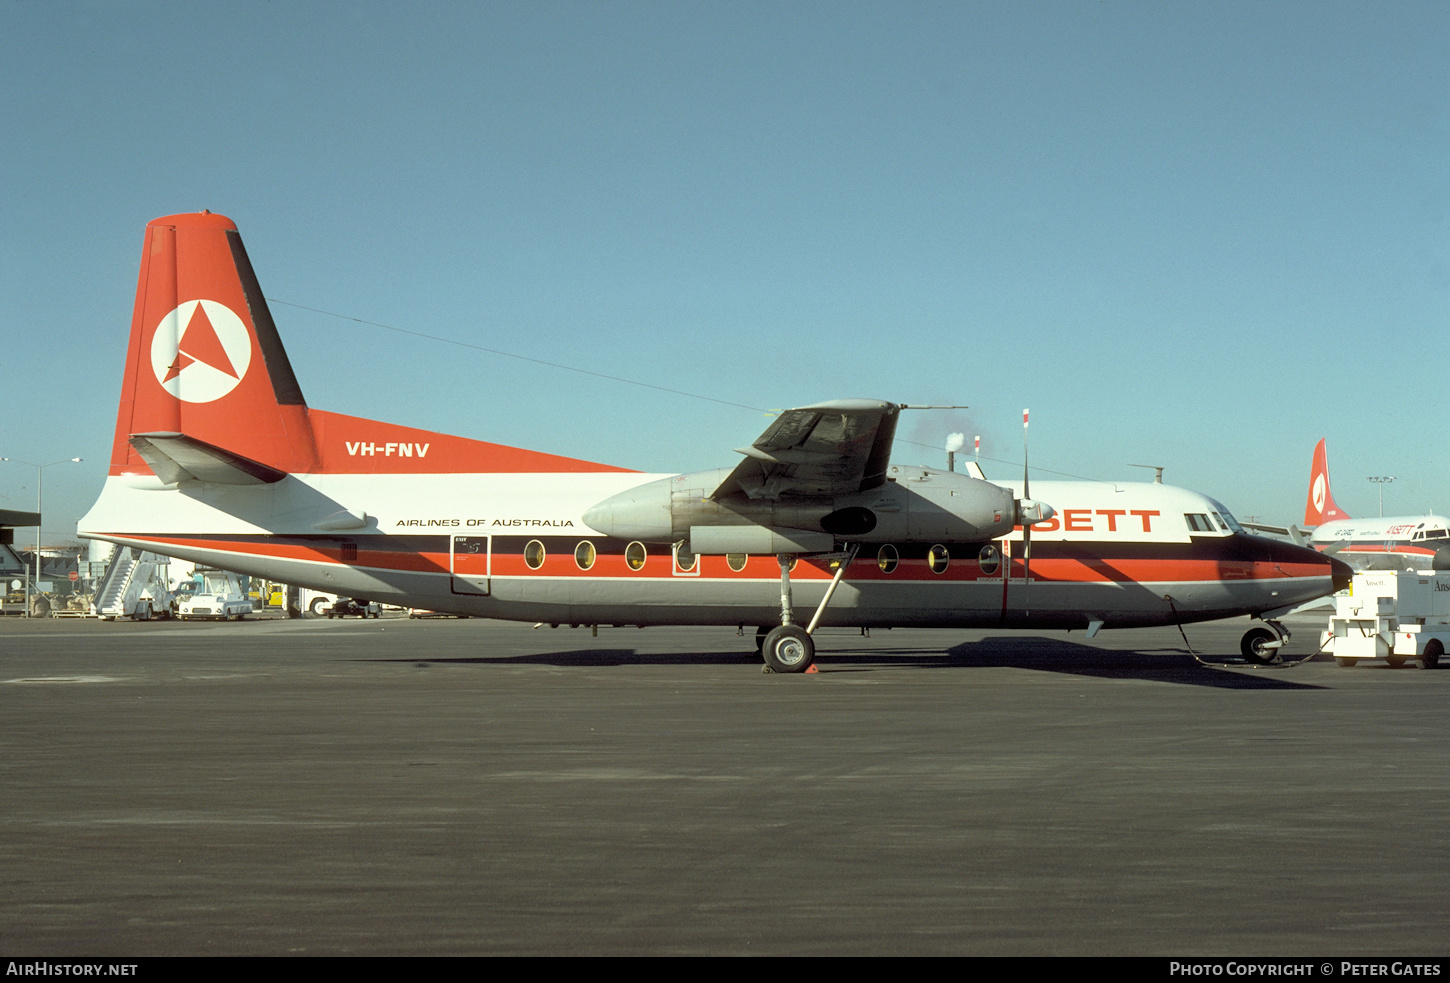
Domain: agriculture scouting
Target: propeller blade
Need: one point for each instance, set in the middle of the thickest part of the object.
(1026, 526)
(1026, 491)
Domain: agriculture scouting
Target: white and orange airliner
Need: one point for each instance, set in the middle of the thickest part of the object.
(1395, 542)
(218, 459)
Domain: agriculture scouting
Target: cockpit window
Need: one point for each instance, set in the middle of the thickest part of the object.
(1227, 517)
(1198, 522)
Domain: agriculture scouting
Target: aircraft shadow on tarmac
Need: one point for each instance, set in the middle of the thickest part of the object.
(1164, 665)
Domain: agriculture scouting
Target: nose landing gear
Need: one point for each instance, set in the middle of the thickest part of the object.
(1261, 645)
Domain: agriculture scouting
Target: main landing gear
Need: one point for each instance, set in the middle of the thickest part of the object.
(788, 647)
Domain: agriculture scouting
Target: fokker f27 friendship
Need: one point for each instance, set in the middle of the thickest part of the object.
(218, 459)
(1397, 542)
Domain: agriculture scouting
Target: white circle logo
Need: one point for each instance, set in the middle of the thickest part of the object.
(1318, 492)
(200, 351)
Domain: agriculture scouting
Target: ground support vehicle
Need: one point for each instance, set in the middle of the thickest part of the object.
(315, 602)
(361, 609)
(1395, 615)
(220, 597)
(132, 585)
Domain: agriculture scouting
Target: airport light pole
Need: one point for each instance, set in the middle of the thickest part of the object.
(39, 480)
(1382, 480)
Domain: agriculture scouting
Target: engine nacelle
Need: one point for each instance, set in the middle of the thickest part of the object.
(914, 505)
(757, 540)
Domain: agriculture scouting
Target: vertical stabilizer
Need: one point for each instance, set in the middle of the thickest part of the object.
(204, 359)
(1320, 507)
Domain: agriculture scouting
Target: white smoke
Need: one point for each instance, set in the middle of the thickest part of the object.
(955, 441)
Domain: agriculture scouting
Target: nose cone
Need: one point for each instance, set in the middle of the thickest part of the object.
(1343, 573)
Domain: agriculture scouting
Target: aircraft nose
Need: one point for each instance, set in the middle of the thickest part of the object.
(1343, 573)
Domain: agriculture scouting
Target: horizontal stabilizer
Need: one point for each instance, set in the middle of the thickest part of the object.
(175, 458)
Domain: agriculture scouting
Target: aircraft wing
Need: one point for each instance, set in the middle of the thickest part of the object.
(819, 451)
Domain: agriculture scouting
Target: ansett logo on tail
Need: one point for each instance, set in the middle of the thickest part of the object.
(200, 351)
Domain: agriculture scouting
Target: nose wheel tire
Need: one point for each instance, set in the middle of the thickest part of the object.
(1255, 649)
(788, 649)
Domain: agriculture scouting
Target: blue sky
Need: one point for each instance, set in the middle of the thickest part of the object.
(1201, 235)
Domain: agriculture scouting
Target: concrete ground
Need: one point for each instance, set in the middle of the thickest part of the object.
(472, 787)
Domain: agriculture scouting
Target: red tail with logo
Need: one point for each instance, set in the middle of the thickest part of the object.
(1320, 507)
(205, 359)
(205, 362)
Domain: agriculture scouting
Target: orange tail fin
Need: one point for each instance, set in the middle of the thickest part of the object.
(204, 359)
(1320, 507)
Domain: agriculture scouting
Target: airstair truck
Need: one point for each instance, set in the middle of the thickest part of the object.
(1395, 615)
(133, 586)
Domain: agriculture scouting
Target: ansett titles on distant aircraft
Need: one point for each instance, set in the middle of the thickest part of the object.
(218, 458)
(1400, 542)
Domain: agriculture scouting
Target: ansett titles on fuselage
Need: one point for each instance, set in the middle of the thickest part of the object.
(474, 523)
(1081, 520)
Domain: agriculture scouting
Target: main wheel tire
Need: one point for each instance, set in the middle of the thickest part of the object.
(1433, 651)
(1253, 646)
(788, 649)
(760, 634)
(318, 607)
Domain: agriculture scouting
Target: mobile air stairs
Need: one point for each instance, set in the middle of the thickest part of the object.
(133, 586)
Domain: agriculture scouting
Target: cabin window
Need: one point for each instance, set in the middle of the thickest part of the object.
(634, 556)
(989, 559)
(534, 554)
(736, 561)
(887, 558)
(584, 555)
(938, 559)
(684, 559)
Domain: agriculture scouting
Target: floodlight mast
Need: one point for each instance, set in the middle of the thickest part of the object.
(1382, 480)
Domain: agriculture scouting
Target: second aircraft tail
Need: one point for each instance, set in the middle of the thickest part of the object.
(1320, 507)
